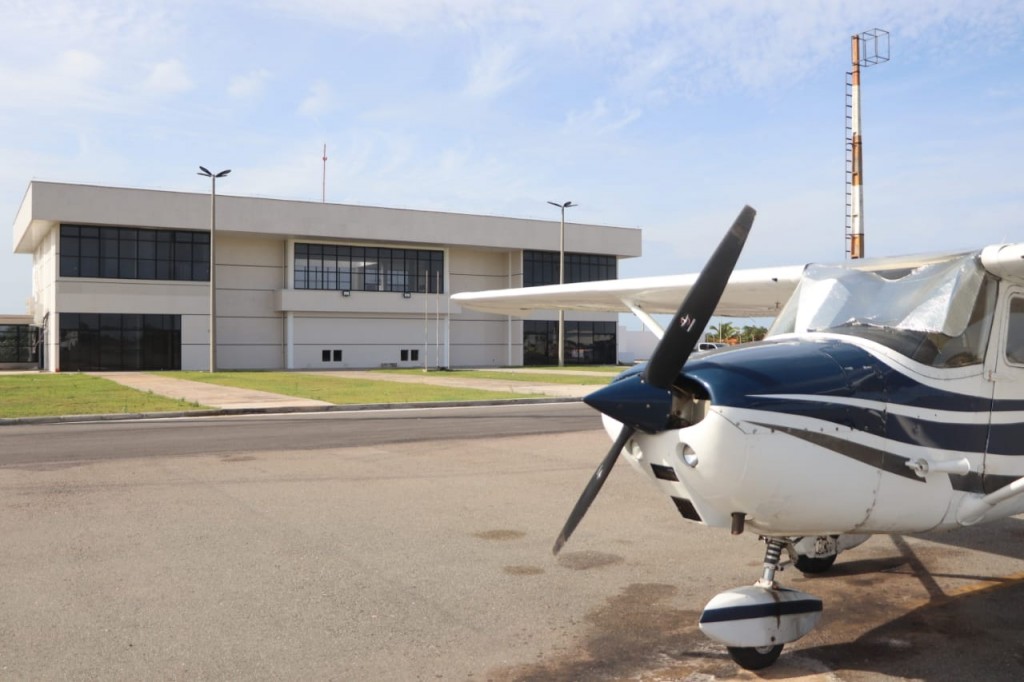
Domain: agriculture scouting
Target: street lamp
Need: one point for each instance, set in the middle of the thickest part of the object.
(213, 263)
(561, 279)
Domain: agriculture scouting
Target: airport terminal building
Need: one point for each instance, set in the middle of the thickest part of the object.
(121, 280)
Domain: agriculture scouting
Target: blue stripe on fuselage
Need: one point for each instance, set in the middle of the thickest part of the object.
(764, 376)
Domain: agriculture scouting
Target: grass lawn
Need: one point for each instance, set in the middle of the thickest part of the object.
(51, 395)
(532, 377)
(342, 391)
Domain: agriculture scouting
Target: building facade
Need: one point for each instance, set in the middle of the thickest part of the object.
(121, 281)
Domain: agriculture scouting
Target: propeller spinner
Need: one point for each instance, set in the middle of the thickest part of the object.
(643, 401)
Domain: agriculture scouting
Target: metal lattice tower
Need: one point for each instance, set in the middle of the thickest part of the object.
(868, 48)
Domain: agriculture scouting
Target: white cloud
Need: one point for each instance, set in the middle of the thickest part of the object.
(599, 119)
(168, 78)
(497, 69)
(79, 65)
(674, 47)
(101, 24)
(70, 80)
(415, 16)
(80, 55)
(249, 85)
(319, 101)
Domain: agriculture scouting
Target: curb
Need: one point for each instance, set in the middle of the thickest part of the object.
(238, 411)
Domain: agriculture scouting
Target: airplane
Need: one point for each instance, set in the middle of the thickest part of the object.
(887, 397)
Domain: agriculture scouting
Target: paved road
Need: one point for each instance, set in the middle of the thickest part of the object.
(390, 546)
(76, 442)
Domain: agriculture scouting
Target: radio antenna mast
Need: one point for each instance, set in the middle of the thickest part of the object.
(875, 50)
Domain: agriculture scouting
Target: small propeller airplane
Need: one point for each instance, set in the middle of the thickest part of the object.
(887, 397)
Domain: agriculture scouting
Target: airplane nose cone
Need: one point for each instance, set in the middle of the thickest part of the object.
(635, 403)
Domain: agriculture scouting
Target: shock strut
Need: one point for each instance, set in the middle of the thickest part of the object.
(772, 556)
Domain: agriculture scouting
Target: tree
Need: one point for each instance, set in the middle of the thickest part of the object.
(752, 332)
(721, 333)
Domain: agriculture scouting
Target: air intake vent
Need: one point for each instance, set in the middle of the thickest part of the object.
(686, 508)
(664, 473)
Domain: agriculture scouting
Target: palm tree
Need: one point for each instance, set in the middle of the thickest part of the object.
(721, 333)
(752, 332)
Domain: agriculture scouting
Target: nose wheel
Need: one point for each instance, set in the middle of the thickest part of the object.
(758, 657)
(756, 621)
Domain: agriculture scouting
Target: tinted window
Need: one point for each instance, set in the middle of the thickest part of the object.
(541, 267)
(110, 341)
(347, 268)
(134, 253)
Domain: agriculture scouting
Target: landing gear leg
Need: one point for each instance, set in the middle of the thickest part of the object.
(772, 563)
(755, 622)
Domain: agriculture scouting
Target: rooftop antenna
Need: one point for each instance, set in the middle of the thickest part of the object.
(870, 47)
(323, 187)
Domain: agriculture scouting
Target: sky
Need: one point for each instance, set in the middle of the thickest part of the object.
(658, 114)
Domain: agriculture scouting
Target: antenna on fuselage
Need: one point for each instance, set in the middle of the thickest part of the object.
(875, 44)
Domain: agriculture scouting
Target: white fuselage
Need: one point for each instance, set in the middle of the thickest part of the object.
(796, 474)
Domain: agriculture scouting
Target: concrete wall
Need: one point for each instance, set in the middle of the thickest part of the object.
(368, 341)
(250, 328)
(481, 339)
(44, 294)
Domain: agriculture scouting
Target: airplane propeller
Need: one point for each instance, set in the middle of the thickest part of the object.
(643, 401)
(683, 333)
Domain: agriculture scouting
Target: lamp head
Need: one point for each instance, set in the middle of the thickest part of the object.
(205, 172)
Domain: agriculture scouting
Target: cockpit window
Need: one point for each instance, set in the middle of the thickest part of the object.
(1015, 332)
(938, 314)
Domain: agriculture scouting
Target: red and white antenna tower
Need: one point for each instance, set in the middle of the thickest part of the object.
(870, 47)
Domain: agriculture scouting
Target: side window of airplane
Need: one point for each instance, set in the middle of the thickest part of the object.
(1015, 332)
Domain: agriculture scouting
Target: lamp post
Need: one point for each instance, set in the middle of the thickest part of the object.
(561, 279)
(213, 263)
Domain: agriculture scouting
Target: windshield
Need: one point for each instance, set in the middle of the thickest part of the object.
(938, 314)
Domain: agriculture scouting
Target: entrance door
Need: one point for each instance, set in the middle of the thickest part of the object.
(1003, 461)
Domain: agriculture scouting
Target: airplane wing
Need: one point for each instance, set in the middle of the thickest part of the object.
(750, 293)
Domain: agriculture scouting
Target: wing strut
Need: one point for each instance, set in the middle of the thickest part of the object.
(973, 509)
(648, 321)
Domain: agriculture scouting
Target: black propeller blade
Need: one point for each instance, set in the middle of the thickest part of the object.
(683, 333)
(632, 400)
(590, 492)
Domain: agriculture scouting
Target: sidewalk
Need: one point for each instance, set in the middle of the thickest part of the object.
(231, 398)
(209, 395)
